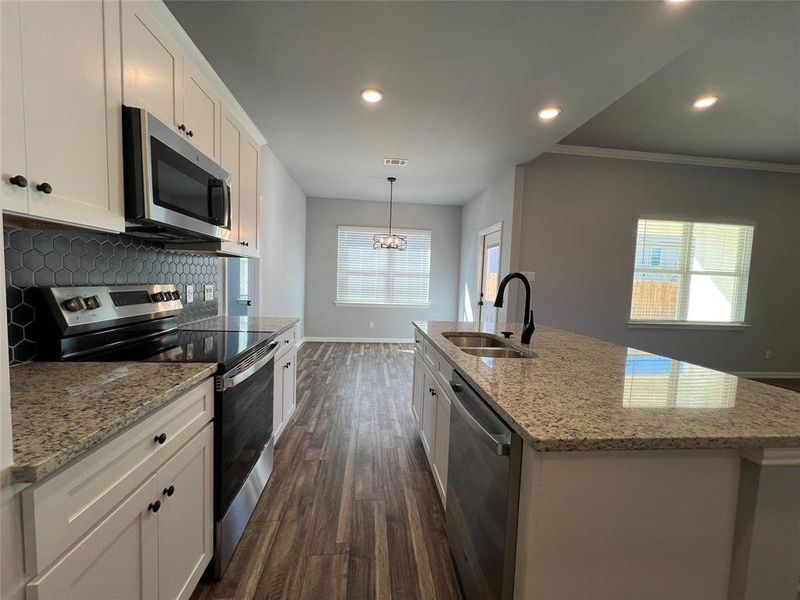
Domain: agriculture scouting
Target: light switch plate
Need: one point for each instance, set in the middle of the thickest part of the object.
(189, 294)
(208, 292)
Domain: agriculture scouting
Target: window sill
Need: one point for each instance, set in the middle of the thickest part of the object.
(375, 305)
(687, 325)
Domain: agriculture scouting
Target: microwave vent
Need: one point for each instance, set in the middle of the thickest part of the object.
(395, 162)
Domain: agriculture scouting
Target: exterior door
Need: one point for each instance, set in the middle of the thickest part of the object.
(490, 246)
(240, 287)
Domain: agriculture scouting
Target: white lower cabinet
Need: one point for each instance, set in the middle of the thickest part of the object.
(157, 540)
(284, 391)
(430, 406)
(118, 559)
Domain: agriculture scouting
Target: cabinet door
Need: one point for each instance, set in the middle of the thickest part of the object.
(249, 193)
(118, 559)
(429, 410)
(289, 386)
(419, 387)
(12, 133)
(186, 519)
(442, 448)
(72, 97)
(230, 153)
(152, 64)
(201, 111)
(278, 420)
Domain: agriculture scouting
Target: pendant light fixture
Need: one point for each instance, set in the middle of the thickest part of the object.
(389, 240)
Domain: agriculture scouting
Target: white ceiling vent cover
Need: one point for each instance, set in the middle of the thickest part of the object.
(395, 162)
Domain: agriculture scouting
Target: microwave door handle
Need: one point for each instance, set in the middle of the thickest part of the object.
(229, 382)
(218, 216)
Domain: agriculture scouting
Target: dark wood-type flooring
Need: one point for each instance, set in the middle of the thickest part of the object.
(789, 384)
(351, 509)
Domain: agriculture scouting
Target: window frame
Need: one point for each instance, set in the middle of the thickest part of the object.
(685, 272)
(377, 230)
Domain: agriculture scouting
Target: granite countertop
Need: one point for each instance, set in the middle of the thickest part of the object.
(275, 325)
(580, 393)
(59, 411)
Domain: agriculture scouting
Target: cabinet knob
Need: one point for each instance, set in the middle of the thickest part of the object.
(430, 391)
(249, 303)
(189, 133)
(154, 506)
(181, 127)
(169, 491)
(160, 439)
(19, 181)
(45, 187)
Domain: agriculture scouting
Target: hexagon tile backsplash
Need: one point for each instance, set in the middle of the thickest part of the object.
(45, 258)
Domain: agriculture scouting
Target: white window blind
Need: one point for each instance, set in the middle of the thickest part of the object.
(691, 272)
(381, 276)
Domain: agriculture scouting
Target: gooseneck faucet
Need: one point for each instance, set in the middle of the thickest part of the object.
(498, 302)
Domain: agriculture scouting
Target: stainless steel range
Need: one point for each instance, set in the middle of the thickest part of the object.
(139, 323)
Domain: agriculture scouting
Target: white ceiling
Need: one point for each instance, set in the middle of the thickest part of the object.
(462, 81)
(752, 64)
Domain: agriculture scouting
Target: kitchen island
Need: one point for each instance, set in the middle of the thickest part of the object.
(641, 476)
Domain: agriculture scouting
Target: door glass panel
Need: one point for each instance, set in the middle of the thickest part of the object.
(490, 276)
(239, 286)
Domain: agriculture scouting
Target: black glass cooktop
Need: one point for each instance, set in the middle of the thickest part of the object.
(225, 348)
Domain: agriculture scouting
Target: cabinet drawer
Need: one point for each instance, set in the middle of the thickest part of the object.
(64, 507)
(286, 340)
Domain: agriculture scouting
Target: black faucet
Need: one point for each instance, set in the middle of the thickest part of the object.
(498, 302)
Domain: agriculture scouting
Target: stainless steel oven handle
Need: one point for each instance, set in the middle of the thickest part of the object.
(499, 444)
(229, 382)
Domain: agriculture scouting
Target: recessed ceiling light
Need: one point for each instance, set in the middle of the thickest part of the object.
(372, 95)
(705, 101)
(549, 112)
(675, 1)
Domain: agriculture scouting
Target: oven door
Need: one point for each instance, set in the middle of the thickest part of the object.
(170, 183)
(243, 447)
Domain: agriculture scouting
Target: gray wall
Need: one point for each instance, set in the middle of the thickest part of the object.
(325, 319)
(283, 258)
(578, 228)
(494, 205)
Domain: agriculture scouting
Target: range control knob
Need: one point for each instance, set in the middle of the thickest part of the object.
(157, 297)
(92, 302)
(74, 304)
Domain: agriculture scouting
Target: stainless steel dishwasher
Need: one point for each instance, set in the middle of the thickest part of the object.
(483, 473)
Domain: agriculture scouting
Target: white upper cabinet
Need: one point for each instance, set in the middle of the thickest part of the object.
(201, 111)
(152, 65)
(13, 169)
(71, 94)
(230, 152)
(249, 194)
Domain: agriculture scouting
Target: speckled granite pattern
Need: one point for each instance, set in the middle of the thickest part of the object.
(581, 393)
(223, 323)
(59, 411)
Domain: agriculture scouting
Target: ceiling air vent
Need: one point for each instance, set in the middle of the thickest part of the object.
(395, 162)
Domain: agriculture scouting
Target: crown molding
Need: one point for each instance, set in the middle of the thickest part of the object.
(678, 159)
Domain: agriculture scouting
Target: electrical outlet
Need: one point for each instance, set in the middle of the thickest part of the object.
(189, 294)
(208, 292)
(768, 354)
(530, 275)
(372, 324)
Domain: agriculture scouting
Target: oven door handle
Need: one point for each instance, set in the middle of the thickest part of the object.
(229, 382)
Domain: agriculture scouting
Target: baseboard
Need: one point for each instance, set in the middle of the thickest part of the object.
(767, 374)
(360, 340)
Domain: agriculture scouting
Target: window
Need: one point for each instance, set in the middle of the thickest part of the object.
(690, 272)
(380, 276)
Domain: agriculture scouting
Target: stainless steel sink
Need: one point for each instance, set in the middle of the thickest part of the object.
(496, 352)
(474, 341)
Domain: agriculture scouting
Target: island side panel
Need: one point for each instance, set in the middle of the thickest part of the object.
(626, 525)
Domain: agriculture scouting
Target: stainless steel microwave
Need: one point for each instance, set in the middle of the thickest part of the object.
(173, 192)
